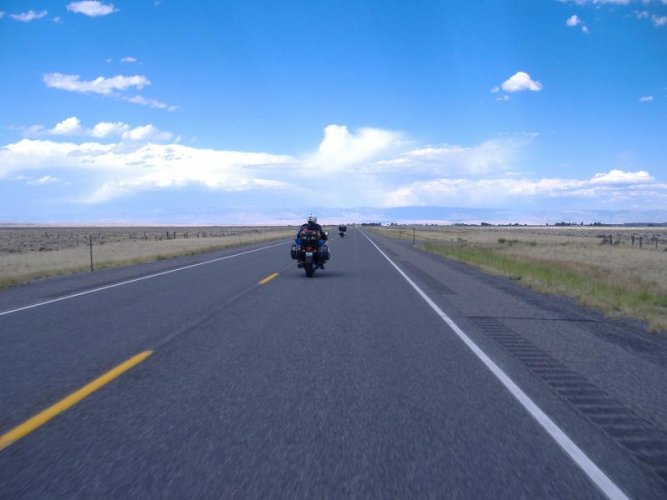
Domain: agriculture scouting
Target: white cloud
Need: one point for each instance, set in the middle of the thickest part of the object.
(100, 85)
(490, 157)
(152, 103)
(574, 21)
(91, 8)
(659, 20)
(31, 15)
(490, 192)
(27, 155)
(69, 126)
(147, 133)
(621, 177)
(32, 130)
(124, 168)
(107, 86)
(138, 160)
(41, 181)
(72, 127)
(646, 98)
(365, 167)
(129, 60)
(109, 129)
(340, 148)
(519, 82)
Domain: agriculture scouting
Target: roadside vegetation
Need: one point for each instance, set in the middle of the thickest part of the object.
(603, 268)
(27, 254)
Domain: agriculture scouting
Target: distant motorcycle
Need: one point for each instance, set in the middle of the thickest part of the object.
(308, 253)
(341, 230)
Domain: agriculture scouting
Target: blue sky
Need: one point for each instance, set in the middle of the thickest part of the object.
(261, 111)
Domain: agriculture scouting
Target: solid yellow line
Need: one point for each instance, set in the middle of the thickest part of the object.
(268, 278)
(41, 418)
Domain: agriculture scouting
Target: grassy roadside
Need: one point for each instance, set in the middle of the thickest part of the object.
(22, 269)
(549, 269)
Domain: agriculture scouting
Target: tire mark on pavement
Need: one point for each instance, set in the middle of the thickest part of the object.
(202, 319)
(433, 283)
(642, 439)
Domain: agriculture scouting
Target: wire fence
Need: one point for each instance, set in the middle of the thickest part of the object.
(45, 239)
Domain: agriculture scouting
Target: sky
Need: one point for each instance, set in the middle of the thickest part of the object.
(255, 112)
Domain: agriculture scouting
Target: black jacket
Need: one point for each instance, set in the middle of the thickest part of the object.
(313, 226)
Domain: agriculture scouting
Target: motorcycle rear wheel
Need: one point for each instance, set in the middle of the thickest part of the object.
(310, 270)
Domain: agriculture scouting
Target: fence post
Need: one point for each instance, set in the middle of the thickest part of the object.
(91, 252)
(413, 235)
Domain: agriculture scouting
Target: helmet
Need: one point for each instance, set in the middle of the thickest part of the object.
(312, 218)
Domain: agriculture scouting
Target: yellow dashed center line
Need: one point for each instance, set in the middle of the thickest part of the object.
(268, 278)
(41, 418)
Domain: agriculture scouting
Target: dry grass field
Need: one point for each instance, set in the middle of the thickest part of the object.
(28, 253)
(603, 267)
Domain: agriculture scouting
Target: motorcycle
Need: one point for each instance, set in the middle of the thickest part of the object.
(342, 234)
(308, 253)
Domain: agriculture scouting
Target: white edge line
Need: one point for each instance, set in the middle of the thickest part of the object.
(149, 276)
(599, 478)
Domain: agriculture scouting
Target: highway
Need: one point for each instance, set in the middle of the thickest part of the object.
(391, 374)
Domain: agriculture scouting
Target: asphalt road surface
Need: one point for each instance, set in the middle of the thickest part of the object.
(391, 374)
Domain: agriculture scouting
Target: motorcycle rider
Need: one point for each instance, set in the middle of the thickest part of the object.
(312, 225)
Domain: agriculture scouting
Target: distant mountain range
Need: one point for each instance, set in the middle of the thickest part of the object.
(399, 215)
(457, 215)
